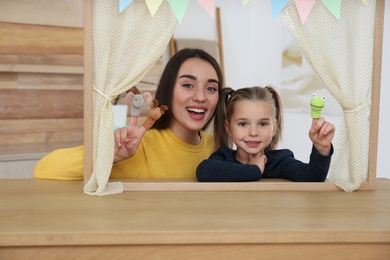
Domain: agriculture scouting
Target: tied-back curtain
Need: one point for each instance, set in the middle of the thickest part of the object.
(341, 53)
(126, 45)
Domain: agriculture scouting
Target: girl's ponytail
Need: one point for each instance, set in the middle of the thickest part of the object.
(220, 135)
(278, 116)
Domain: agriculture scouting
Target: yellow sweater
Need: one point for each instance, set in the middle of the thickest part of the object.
(160, 155)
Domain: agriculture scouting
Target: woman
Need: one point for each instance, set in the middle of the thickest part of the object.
(190, 86)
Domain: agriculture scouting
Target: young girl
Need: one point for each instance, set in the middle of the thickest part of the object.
(190, 86)
(251, 118)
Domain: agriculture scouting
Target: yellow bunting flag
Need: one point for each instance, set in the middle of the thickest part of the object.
(244, 2)
(153, 6)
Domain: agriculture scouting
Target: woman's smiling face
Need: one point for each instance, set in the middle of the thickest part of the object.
(195, 97)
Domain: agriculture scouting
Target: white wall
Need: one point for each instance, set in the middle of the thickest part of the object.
(252, 44)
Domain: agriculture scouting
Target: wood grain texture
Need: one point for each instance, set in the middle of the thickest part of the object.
(53, 81)
(88, 104)
(67, 13)
(201, 252)
(262, 185)
(40, 125)
(38, 39)
(52, 60)
(42, 137)
(35, 104)
(192, 225)
(67, 64)
(375, 95)
(41, 72)
(19, 132)
(8, 80)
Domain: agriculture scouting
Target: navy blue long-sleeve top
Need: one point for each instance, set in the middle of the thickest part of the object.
(222, 166)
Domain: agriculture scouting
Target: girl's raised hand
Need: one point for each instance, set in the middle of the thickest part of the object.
(321, 134)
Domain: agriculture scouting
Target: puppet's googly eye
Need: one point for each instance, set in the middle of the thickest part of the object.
(323, 98)
(314, 95)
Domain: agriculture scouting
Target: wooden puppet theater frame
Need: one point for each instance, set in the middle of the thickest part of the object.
(264, 184)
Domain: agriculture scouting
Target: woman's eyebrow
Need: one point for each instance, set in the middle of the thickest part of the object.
(213, 80)
(194, 78)
(187, 76)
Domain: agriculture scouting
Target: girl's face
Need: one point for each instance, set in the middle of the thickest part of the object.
(251, 127)
(195, 97)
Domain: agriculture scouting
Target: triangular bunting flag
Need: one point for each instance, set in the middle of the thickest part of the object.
(153, 6)
(304, 7)
(334, 6)
(244, 2)
(240, 2)
(179, 8)
(209, 6)
(123, 4)
(277, 6)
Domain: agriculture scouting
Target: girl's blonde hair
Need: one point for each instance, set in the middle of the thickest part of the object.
(225, 110)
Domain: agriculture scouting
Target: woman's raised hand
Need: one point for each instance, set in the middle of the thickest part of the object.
(127, 140)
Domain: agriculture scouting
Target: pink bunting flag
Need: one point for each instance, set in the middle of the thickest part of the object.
(209, 6)
(153, 6)
(304, 7)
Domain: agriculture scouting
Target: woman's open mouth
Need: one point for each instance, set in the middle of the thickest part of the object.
(196, 113)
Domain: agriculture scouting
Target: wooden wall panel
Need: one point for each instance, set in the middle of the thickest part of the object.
(40, 125)
(39, 39)
(66, 64)
(40, 138)
(67, 13)
(41, 73)
(8, 80)
(41, 131)
(24, 104)
(52, 81)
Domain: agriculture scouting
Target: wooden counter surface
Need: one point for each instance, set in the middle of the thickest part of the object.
(42, 219)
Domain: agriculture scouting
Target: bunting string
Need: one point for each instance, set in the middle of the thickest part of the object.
(303, 6)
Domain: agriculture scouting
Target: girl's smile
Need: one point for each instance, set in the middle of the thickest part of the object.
(252, 144)
(251, 127)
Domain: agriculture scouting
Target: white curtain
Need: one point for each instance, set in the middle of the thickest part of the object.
(341, 53)
(126, 45)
